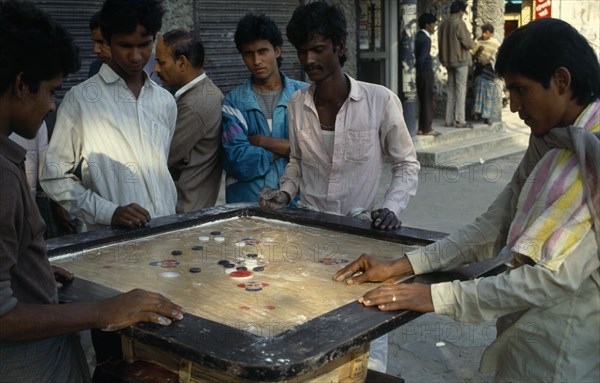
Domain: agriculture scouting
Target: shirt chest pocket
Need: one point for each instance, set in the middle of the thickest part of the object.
(359, 145)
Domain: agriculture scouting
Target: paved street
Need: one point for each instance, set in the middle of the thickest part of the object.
(446, 200)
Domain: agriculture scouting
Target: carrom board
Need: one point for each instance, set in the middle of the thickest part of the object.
(294, 286)
(288, 319)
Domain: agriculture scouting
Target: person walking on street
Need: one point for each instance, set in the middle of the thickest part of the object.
(455, 44)
(425, 79)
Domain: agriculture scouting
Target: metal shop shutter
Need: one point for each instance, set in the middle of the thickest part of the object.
(217, 21)
(74, 15)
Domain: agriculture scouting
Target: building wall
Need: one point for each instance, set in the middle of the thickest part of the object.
(584, 15)
(527, 11)
(349, 8)
(179, 14)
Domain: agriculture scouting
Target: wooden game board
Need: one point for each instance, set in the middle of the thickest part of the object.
(295, 324)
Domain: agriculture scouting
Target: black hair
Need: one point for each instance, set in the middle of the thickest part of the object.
(319, 17)
(487, 27)
(95, 21)
(183, 43)
(33, 44)
(536, 50)
(123, 16)
(426, 18)
(457, 6)
(253, 27)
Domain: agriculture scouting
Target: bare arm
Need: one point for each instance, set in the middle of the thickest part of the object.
(35, 321)
(279, 146)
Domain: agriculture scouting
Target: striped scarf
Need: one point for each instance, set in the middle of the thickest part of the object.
(559, 201)
(489, 49)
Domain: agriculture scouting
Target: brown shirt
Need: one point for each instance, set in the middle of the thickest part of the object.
(26, 276)
(454, 42)
(25, 272)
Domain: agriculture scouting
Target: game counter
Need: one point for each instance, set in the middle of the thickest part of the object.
(257, 288)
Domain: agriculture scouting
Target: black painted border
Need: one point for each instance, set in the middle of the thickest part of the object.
(304, 348)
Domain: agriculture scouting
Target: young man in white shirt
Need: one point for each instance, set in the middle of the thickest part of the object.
(118, 124)
(341, 129)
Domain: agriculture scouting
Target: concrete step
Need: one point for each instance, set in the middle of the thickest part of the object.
(463, 147)
(452, 135)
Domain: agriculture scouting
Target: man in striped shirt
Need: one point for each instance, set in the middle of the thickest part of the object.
(118, 124)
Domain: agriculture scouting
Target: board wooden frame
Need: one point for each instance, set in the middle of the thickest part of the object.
(306, 347)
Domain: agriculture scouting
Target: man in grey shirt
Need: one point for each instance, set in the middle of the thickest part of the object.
(195, 153)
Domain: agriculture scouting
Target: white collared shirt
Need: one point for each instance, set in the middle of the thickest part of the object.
(369, 126)
(122, 144)
(189, 85)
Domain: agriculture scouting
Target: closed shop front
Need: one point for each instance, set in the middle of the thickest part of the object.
(216, 21)
(75, 16)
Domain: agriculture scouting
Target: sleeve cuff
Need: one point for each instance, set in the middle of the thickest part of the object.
(106, 212)
(443, 298)
(419, 261)
(289, 188)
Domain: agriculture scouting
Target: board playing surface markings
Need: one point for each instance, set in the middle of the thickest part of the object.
(290, 266)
